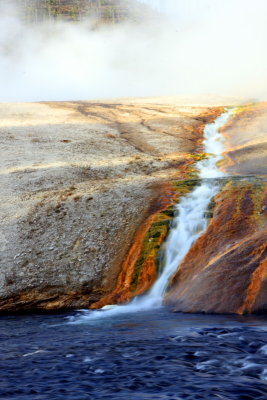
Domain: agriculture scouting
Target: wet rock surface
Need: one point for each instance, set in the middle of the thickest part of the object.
(225, 270)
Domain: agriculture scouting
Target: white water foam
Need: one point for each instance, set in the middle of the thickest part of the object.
(191, 221)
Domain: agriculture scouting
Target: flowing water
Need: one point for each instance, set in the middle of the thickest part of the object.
(190, 222)
(150, 355)
(141, 351)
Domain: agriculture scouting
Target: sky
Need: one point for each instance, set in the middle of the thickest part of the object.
(194, 47)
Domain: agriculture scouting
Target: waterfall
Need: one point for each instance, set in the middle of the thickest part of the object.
(189, 224)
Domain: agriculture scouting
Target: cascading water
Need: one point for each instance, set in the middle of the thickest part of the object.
(191, 221)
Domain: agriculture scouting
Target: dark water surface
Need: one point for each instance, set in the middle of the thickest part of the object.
(148, 355)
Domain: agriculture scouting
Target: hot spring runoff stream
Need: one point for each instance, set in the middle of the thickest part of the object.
(142, 350)
(190, 222)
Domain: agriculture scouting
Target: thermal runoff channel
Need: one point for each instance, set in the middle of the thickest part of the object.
(191, 221)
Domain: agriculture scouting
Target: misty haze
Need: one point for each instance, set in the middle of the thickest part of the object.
(194, 47)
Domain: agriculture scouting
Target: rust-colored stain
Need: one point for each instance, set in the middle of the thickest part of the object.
(258, 276)
(148, 275)
(224, 270)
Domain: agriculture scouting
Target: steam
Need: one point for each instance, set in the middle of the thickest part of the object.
(195, 47)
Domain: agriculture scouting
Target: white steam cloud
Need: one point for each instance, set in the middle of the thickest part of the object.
(197, 47)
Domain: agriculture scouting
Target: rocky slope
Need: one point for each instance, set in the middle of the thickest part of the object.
(88, 194)
(78, 180)
(226, 270)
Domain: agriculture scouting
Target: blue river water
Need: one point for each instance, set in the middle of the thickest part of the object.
(146, 355)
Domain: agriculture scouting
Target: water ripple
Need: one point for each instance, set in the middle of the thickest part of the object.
(156, 355)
